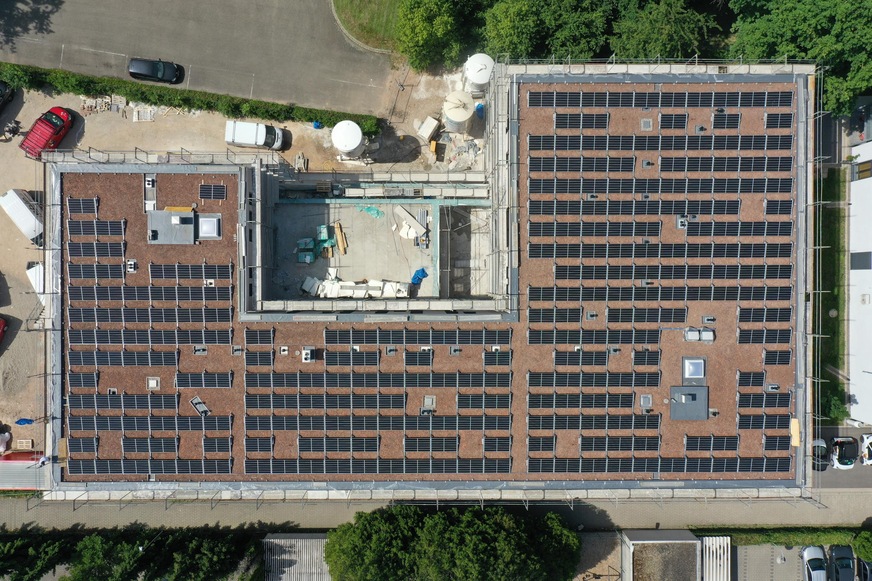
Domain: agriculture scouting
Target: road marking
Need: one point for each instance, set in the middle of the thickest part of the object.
(370, 84)
(98, 50)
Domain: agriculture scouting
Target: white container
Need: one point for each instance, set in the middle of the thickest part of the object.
(457, 112)
(477, 72)
(347, 137)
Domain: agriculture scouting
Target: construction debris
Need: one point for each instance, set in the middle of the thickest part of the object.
(367, 289)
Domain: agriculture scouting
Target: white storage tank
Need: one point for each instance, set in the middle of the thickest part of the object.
(477, 72)
(347, 137)
(457, 112)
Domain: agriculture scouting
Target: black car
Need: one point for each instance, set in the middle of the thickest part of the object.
(864, 570)
(841, 563)
(6, 94)
(154, 70)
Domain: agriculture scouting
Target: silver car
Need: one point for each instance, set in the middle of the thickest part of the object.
(814, 562)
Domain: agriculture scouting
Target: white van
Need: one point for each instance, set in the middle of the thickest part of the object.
(244, 134)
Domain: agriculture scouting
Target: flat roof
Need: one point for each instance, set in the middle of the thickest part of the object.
(655, 223)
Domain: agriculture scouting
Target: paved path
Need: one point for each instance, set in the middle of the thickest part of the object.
(845, 507)
(268, 49)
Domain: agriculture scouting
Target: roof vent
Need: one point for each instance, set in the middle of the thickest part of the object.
(647, 125)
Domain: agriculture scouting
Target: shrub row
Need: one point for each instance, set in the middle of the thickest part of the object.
(34, 78)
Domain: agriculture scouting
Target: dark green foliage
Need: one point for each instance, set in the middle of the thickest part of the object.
(65, 82)
(428, 33)
(863, 545)
(665, 28)
(513, 28)
(576, 28)
(404, 542)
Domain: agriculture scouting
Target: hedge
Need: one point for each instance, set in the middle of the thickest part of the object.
(34, 78)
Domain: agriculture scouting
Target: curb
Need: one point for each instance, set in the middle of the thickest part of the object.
(353, 40)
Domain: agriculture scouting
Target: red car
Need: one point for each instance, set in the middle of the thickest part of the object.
(47, 132)
(3, 326)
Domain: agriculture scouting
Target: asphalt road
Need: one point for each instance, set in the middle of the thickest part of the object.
(277, 50)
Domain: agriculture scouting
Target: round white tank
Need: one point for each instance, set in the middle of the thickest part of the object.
(457, 111)
(348, 139)
(477, 71)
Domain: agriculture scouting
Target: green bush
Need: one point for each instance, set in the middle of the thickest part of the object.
(33, 78)
(863, 545)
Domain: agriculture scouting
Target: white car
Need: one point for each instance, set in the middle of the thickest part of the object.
(844, 452)
(866, 449)
(814, 563)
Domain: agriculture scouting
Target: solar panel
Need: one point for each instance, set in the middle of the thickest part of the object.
(760, 336)
(659, 185)
(150, 423)
(122, 401)
(739, 228)
(764, 400)
(632, 250)
(673, 121)
(431, 444)
(595, 422)
(619, 443)
(726, 164)
(498, 358)
(122, 358)
(150, 445)
(376, 423)
(147, 337)
(149, 293)
(191, 271)
(418, 358)
(751, 379)
(95, 249)
(610, 229)
(779, 207)
(82, 205)
(657, 465)
(380, 466)
(582, 164)
(258, 444)
(541, 443)
(347, 358)
(635, 315)
(659, 142)
(765, 315)
(96, 227)
(607, 379)
(554, 315)
(82, 445)
(651, 100)
(216, 445)
(334, 444)
(404, 380)
(726, 120)
(776, 358)
(661, 293)
(771, 443)
(646, 358)
(95, 270)
(675, 272)
(213, 192)
(592, 337)
(149, 466)
(581, 120)
(325, 401)
(75, 380)
(128, 315)
(467, 401)
(497, 444)
(414, 337)
(764, 422)
(254, 358)
(779, 120)
(575, 400)
(632, 207)
(259, 336)
(711, 443)
(578, 358)
(204, 380)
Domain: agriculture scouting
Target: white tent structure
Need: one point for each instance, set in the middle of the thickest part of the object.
(24, 212)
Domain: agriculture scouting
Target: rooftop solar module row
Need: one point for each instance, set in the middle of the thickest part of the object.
(593, 337)
(213, 192)
(258, 358)
(659, 465)
(259, 336)
(726, 120)
(743, 229)
(765, 315)
(130, 315)
(778, 207)
(611, 229)
(776, 358)
(149, 293)
(376, 423)
(637, 207)
(405, 380)
(750, 379)
(764, 400)
(595, 422)
(581, 120)
(577, 358)
(204, 380)
(711, 443)
(123, 401)
(149, 466)
(96, 227)
(150, 445)
(471, 401)
(675, 272)
(776, 442)
(579, 164)
(147, 337)
(381, 466)
(111, 271)
(660, 186)
(619, 443)
(82, 205)
(418, 358)
(191, 271)
(577, 401)
(657, 99)
(348, 358)
(416, 337)
(149, 423)
(83, 380)
(328, 444)
(646, 358)
(554, 315)
(95, 249)
(661, 293)
(82, 445)
(497, 358)
(764, 422)
(431, 444)
(731, 164)
(598, 379)
(122, 358)
(639, 315)
(325, 401)
(217, 445)
(497, 444)
(659, 142)
(633, 250)
(758, 336)
(541, 444)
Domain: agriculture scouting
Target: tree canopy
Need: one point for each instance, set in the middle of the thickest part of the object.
(666, 28)
(404, 542)
(427, 33)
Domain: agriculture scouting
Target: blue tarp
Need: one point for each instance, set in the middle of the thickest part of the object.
(419, 275)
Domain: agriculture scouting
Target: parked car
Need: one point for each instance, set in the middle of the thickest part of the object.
(841, 563)
(864, 570)
(6, 94)
(820, 455)
(866, 449)
(47, 132)
(814, 563)
(157, 71)
(844, 452)
(3, 326)
(245, 134)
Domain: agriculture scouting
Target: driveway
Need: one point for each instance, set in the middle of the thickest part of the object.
(274, 50)
(858, 477)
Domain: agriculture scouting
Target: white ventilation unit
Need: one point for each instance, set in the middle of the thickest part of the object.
(307, 354)
(283, 350)
(209, 282)
(772, 387)
(646, 401)
(152, 383)
(495, 349)
(150, 182)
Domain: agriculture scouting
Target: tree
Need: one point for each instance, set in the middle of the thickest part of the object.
(427, 33)
(832, 32)
(576, 28)
(513, 27)
(405, 543)
(98, 558)
(666, 28)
